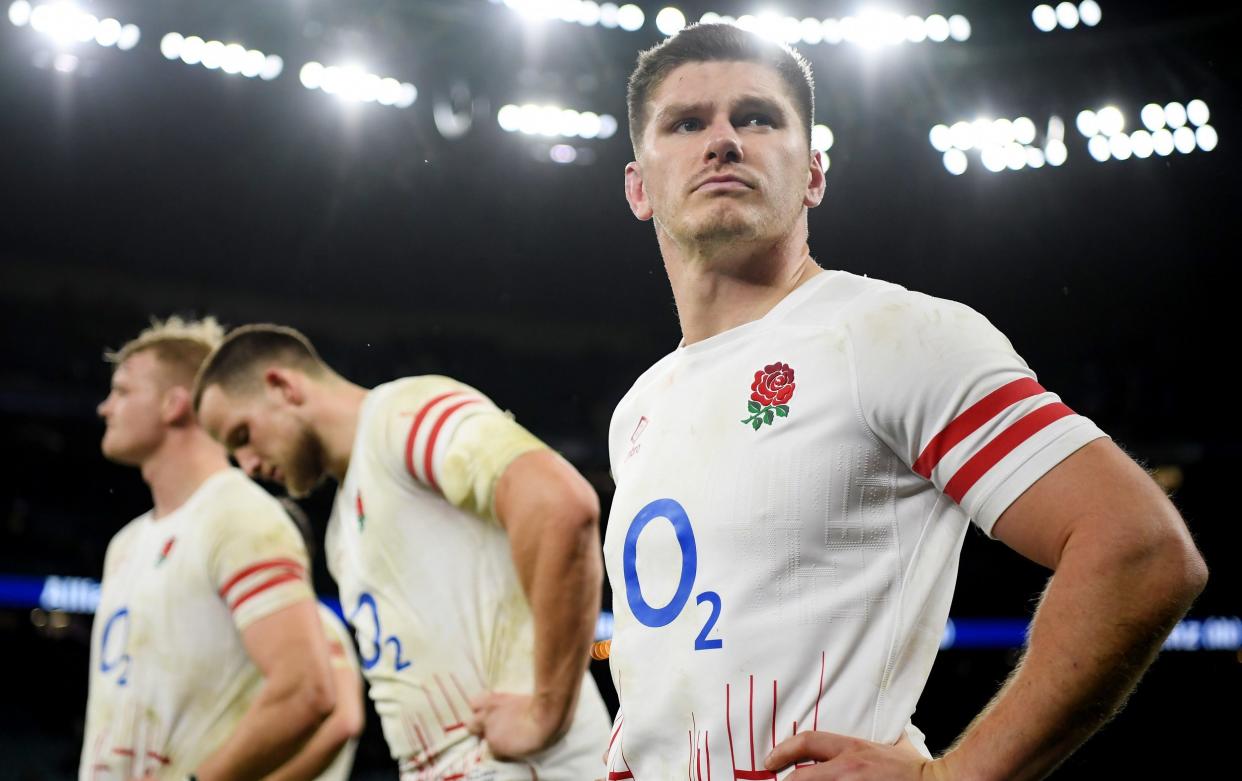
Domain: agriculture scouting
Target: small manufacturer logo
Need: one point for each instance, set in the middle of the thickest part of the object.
(167, 549)
(639, 429)
(362, 515)
(770, 393)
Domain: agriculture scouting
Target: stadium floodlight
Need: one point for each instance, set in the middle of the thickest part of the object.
(959, 28)
(1024, 130)
(1111, 120)
(832, 31)
(350, 83)
(553, 121)
(1197, 112)
(563, 154)
(937, 28)
(1175, 115)
(19, 13)
(940, 137)
(1162, 142)
(630, 17)
(66, 24)
(1035, 157)
(1152, 116)
(962, 135)
(821, 138)
(1184, 140)
(231, 58)
(1141, 144)
(993, 159)
(1015, 156)
(1206, 138)
(1099, 149)
(670, 21)
(608, 15)
(1089, 13)
(916, 32)
(1045, 18)
(1055, 152)
(1067, 15)
(812, 31)
(1119, 146)
(1087, 123)
(955, 161)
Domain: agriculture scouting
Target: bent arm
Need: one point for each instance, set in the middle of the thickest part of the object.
(343, 725)
(290, 651)
(551, 515)
(1125, 571)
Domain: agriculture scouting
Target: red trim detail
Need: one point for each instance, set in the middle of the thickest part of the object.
(754, 775)
(431, 440)
(259, 589)
(256, 567)
(163, 760)
(729, 729)
(751, 719)
(452, 727)
(447, 699)
(773, 714)
(615, 733)
(125, 752)
(418, 419)
(617, 775)
(707, 741)
(455, 777)
(1002, 445)
(969, 421)
(819, 692)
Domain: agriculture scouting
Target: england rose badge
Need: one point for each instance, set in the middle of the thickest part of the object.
(770, 393)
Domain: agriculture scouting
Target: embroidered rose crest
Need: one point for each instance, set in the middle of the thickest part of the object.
(770, 394)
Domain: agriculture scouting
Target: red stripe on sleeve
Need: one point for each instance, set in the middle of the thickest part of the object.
(431, 440)
(257, 567)
(264, 586)
(969, 421)
(1002, 445)
(418, 420)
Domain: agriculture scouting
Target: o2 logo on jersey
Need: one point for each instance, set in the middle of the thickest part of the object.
(378, 641)
(112, 646)
(655, 617)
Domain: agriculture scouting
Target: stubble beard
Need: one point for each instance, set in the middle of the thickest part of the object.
(306, 469)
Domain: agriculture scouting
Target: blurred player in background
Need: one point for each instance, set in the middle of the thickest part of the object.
(349, 715)
(800, 472)
(466, 551)
(208, 657)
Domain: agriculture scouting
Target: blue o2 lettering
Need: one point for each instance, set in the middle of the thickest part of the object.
(112, 655)
(371, 656)
(671, 511)
(702, 643)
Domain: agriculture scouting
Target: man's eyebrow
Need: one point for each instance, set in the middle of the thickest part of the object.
(742, 103)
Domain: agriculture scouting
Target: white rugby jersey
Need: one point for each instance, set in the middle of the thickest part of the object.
(428, 582)
(792, 496)
(341, 656)
(170, 677)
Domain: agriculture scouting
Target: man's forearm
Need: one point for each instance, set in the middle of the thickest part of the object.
(564, 595)
(279, 722)
(1100, 624)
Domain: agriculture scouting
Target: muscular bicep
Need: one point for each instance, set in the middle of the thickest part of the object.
(289, 644)
(539, 483)
(1096, 494)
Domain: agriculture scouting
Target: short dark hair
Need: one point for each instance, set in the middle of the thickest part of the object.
(233, 364)
(717, 43)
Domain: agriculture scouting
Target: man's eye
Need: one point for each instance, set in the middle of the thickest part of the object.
(241, 438)
(759, 120)
(687, 125)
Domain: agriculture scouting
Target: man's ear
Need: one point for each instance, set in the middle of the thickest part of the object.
(177, 406)
(286, 384)
(816, 181)
(636, 193)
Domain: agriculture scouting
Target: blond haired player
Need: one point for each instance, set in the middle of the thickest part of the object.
(466, 553)
(208, 655)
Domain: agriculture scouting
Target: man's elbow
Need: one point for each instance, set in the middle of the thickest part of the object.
(1174, 566)
(315, 701)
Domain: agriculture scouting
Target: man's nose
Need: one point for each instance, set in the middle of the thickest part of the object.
(248, 461)
(724, 145)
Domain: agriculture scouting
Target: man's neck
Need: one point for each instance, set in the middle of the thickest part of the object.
(183, 463)
(716, 292)
(336, 423)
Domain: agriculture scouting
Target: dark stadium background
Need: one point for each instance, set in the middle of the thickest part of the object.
(135, 186)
